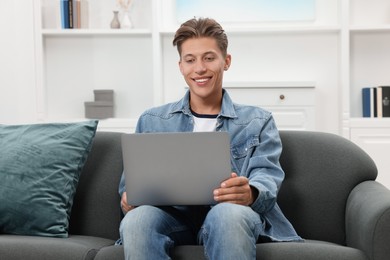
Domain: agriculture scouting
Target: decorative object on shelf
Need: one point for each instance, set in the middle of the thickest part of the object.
(126, 22)
(125, 6)
(385, 100)
(102, 107)
(115, 21)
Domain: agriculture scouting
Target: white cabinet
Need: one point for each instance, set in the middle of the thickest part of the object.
(373, 136)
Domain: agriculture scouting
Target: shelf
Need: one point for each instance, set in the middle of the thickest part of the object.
(75, 32)
(370, 28)
(359, 122)
(284, 29)
(238, 30)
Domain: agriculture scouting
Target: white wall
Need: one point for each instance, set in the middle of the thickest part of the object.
(17, 77)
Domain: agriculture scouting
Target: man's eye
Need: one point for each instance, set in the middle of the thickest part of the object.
(209, 58)
(189, 60)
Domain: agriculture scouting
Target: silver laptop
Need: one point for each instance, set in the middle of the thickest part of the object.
(175, 168)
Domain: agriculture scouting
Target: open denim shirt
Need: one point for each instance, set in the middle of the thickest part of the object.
(255, 151)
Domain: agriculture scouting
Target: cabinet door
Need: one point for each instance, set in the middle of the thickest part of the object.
(376, 142)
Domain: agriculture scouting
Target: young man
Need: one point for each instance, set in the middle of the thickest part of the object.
(246, 208)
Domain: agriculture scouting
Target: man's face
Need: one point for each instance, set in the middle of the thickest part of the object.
(202, 65)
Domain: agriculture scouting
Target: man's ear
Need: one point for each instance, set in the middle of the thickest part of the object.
(228, 61)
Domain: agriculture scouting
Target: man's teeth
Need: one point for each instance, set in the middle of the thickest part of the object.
(201, 80)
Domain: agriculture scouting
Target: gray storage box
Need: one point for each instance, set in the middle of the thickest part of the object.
(102, 107)
(99, 109)
(104, 95)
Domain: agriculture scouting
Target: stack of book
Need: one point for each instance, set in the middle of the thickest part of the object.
(74, 14)
(376, 101)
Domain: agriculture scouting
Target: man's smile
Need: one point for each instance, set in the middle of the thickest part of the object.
(202, 80)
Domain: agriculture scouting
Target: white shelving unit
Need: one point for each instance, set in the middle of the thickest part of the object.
(73, 62)
(367, 41)
(366, 46)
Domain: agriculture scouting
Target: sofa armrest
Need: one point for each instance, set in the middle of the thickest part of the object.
(368, 219)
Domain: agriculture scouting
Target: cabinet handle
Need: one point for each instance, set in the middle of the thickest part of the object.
(281, 97)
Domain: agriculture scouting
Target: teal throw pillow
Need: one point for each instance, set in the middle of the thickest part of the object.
(40, 165)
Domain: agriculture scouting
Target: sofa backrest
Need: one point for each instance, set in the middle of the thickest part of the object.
(321, 170)
(96, 208)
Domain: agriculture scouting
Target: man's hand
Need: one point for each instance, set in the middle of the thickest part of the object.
(125, 207)
(236, 190)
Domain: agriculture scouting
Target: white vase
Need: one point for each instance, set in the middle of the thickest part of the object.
(126, 21)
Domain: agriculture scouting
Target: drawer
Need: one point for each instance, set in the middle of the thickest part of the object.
(294, 118)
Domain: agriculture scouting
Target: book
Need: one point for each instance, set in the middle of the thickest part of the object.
(84, 14)
(70, 13)
(76, 14)
(366, 97)
(379, 102)
(64, 6)
(374, 111)
(385, 101)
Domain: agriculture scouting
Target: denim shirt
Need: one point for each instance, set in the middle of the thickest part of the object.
(255, 150)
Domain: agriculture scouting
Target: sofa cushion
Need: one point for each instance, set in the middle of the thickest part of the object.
(15, 247)
(310, 249)
(114, 252)
(39, 171)
(314, 250)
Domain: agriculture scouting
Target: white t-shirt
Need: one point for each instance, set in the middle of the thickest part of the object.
(204, 123)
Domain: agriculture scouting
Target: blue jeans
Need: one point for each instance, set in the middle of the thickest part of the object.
(229, 231)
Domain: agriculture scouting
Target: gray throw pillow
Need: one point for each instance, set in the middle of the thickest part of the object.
(40, 166)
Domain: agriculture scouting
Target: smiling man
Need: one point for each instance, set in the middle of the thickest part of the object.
(246, 211)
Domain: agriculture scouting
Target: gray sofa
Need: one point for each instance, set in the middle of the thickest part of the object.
(330, 195)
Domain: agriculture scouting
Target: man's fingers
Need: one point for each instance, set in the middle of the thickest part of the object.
(237, 181)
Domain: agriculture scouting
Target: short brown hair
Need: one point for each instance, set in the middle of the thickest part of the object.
(201, 27)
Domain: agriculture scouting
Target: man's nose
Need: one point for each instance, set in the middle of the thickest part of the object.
(200, 67)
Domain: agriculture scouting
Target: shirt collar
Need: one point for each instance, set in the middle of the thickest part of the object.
(227, 109)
